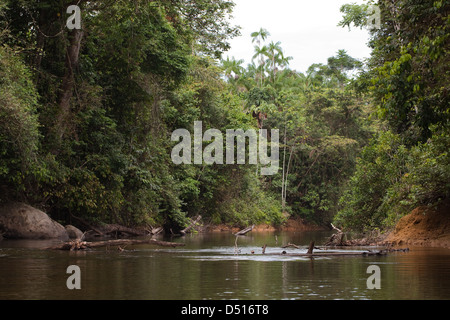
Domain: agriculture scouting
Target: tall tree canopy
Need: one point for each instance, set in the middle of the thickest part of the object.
(86, 115)
(407, 78)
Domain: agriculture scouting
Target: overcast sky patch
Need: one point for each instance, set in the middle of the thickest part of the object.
(307, 30)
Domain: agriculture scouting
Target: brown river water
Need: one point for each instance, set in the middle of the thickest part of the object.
(211, 267)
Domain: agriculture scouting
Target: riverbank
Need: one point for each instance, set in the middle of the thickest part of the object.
(292, 224)
(424, 226)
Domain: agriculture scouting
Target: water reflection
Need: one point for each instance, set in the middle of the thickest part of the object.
(209, 268)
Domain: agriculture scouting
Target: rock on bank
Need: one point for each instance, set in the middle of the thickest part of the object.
(21, 221)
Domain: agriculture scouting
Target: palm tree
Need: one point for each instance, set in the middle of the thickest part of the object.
(250, 76)
(257, 36)
(284, 61)
(277, 58)
(275, 55)
(260, 52)
(232, 68)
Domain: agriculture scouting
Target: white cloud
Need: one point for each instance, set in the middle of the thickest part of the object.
(307, 30)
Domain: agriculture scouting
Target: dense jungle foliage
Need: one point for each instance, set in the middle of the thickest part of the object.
(86, 115)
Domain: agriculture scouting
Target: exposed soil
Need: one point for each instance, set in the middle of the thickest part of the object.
(424, 226)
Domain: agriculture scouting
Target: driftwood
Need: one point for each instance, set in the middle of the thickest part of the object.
(336, 239)
(291, 245)
(329, 254)
(155, 231)
(337, 229)
(311, 247)
(83, 245)
(193, 223)
(245, 231)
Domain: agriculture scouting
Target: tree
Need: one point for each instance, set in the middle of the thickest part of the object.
(260, 51)
(19, 134)
(99, 106)
(406, 78)
(338, 70)
(233, 68)
(209, 20)
(94, 107)
(408, 65)
(341, 64)
(275, 56)
(260, 36)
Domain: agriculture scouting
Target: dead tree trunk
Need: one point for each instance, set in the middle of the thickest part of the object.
(311, 248)
(336, 239)
(291, 245)
(245, 231)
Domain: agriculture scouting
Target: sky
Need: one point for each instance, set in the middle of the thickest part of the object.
(307, 30)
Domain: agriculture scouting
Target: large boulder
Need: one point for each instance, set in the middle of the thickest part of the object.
(74, 232)
(21, 221)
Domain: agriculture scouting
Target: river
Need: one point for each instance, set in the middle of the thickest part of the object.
(211, 266)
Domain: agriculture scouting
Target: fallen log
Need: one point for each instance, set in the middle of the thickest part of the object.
(291, 245)
(83, 245)
(244, 231)
(328, 254)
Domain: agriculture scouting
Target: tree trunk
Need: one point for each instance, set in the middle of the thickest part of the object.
(287, 174)
(68, 82)
(283, 199)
